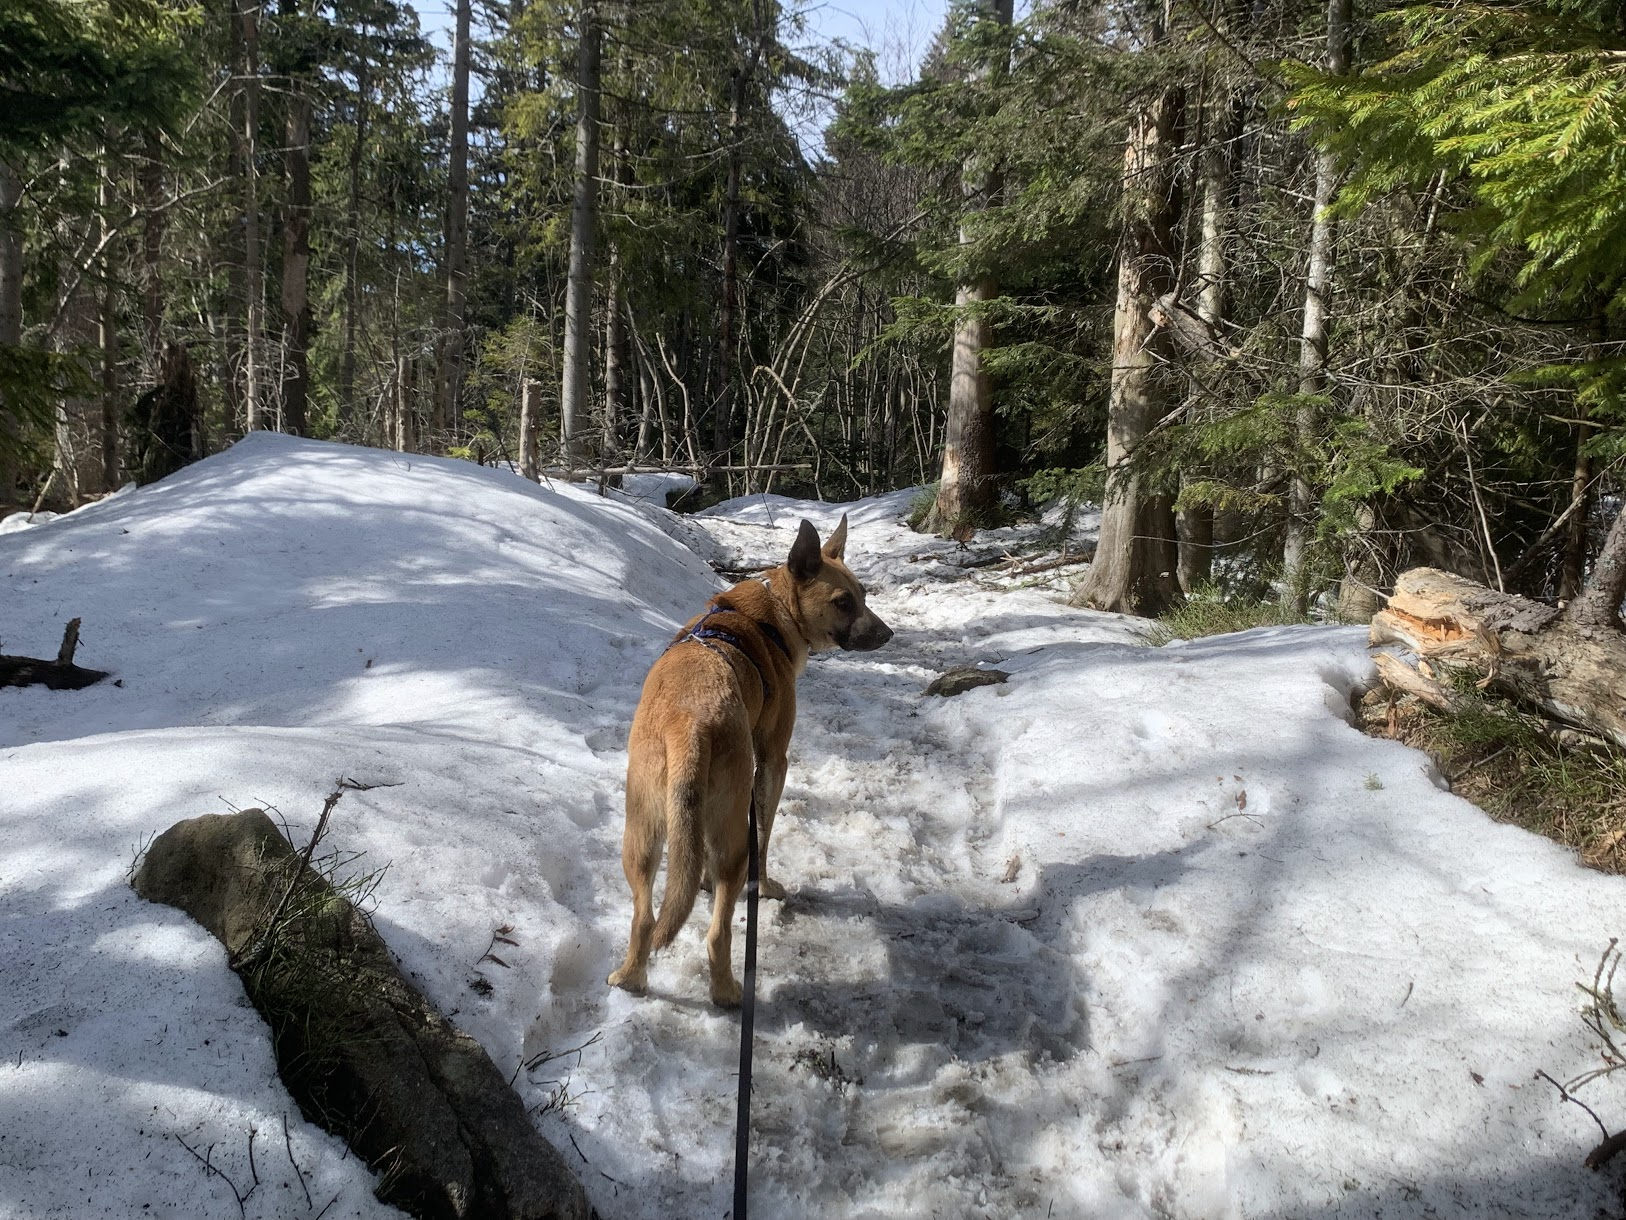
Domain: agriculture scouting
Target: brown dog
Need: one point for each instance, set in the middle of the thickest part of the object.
(712, 730)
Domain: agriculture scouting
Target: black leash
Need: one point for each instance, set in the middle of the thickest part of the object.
(742, 1129)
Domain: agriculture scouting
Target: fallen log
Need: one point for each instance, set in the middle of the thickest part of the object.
(60, 674)
(363, 1052)
(1404, 680)
(1574, 671)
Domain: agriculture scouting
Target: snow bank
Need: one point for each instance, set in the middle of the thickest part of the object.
(279, 616)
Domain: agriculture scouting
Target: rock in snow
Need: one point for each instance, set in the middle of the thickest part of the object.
(1253, 964)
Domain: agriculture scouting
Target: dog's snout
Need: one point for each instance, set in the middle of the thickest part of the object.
(871, 634)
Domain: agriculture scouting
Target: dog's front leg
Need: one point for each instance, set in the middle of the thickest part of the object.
(770, 783)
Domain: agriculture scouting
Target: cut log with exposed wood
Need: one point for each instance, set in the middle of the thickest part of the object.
(60, 674)
(1573, 671)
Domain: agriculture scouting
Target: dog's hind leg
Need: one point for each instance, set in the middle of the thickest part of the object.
(641, 844)
(770, 784)
(730, 859)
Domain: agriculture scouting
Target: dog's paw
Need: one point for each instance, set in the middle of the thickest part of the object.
(727, 995)
(771, 889)
(634, 981)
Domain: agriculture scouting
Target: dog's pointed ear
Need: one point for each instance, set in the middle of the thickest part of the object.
(805, 559)
(835, 547)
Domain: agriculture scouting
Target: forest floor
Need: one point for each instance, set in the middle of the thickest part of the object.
(1142, 932)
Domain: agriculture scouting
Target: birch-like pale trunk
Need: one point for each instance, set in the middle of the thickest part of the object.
(1313, 333)
(1194, 526)
(107, 335)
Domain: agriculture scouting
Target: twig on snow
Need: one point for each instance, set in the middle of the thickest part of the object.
(538, 1060)
(1568, 1096)
(298, 1172)
(240, 1196)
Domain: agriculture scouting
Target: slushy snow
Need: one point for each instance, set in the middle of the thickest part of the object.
(1143, 932)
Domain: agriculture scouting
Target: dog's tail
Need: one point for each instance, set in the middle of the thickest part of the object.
(685, 858)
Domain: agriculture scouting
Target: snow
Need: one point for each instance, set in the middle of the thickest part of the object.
(17, 522)
(1140, 933)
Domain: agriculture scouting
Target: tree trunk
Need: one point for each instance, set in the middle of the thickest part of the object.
(107, 335)
(722, 422)
(11, 257)
(405, 393)
(152, 250)
(530, 406)
(615, 352)
(1136, 556)
(11, 295)
(1313, 333)
(1572, 571)
(966, 488)
(1194, 526)
(966, 491)
(449, 371)
(1598, 605)
(574, 406)
(1570, 667)
(296, 257)
(352, 254)
(254, 393)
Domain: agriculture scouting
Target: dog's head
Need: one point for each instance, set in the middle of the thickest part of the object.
(829, 600)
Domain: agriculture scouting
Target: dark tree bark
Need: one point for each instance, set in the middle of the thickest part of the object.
(362, 1051)
(1598, 605)
(58, 674)
(11, 292)
(449, 370)
(530, 406)
(254, 392)
(152, 251)
(296, 257)
(722, 420)
(352, 252)
(615, 324)
(164, 429)
(574, 406)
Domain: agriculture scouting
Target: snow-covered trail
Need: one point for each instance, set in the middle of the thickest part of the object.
(1134, 935)
(1143, 933)
(898, 955)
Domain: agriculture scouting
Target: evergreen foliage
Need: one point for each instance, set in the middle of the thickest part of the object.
(1468, 414)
